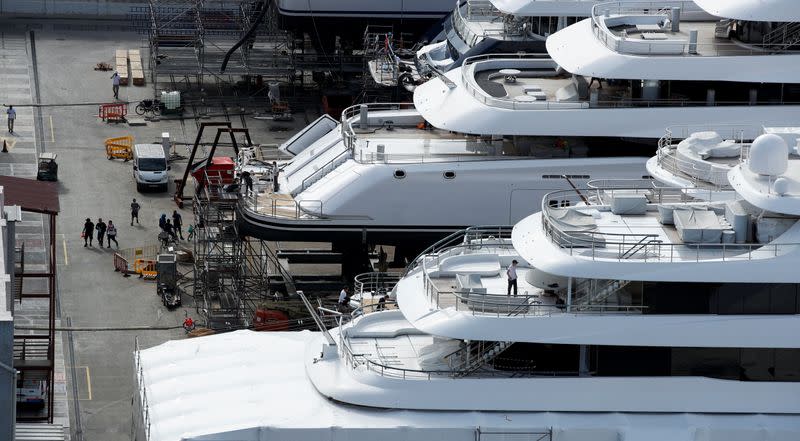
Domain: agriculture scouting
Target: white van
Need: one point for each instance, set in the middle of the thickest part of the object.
(150, 168)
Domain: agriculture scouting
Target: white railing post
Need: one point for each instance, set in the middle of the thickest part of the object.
(569, 294)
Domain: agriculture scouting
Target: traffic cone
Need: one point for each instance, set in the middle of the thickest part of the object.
(5, 147)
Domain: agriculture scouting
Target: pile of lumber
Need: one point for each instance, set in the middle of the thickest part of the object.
(137, 73)
(122, 66)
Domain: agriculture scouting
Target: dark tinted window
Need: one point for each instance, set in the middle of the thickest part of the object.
(152, 164)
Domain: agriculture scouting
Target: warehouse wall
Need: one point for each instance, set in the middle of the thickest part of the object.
(88, 8)
(79, 8)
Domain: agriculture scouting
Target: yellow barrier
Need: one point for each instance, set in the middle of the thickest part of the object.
(120, 148)
(145, 268)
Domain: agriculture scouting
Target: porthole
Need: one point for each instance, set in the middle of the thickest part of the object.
(449, 174)
(399, 174)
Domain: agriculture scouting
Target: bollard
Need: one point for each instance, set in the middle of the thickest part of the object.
(5, 147)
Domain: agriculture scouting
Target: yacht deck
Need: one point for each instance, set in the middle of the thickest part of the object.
(281, 205)
(668, 232)
(529, 301)
(653, 39)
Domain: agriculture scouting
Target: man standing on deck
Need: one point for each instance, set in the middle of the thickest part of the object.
(275, 172)
(512, 277)
(342, 304)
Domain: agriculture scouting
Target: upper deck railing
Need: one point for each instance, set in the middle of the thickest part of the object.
(485, 12)
(404, 116)
(646, 248)
(541, 66)
(355, 360)
(490, 239)
(615, 14)
(540, 62)
(704, 176)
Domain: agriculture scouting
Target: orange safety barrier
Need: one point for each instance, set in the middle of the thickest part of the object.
(113, 112)
(145, 268)
(121, 147)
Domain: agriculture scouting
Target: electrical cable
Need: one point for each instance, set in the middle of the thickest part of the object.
(250, 32)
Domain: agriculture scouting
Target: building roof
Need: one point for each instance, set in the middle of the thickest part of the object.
(30, 194)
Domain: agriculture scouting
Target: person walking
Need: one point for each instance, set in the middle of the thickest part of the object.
(88, 232)
(162, 222)
(100, 226)
(135, 211)
(115, 84)
(170, 229)
(12, 115)
(111, 234)
(190, 229)
(177, 223)
(511, 272)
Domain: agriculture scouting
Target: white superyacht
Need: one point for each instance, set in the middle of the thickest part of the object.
(641, 314)
(485, 138)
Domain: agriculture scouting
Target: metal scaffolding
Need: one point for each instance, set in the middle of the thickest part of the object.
(383, 68)
(233, 273)
(188, 42)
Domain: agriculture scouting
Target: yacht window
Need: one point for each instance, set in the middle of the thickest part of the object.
(399, 174)
(449, 174)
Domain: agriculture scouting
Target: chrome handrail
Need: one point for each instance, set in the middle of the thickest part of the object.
(492, 304)
(475, 235)
(375, 281)
(354, 360)
(707, 178)
(293, 209)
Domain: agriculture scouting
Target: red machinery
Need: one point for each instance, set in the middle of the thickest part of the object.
(271, 320)
(219, 171)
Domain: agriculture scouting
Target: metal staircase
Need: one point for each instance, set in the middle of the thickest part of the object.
(475, 355)
(784, 36)
(597, 296)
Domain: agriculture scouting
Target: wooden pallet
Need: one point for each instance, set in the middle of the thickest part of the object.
(121, 66)
(123, 75)
(137, 76)
(137, 72)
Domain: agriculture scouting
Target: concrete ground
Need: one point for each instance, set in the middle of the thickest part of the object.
(99, 365)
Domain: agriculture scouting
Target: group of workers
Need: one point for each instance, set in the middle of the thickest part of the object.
(247, 179)
(107, 231)
(173, 227)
